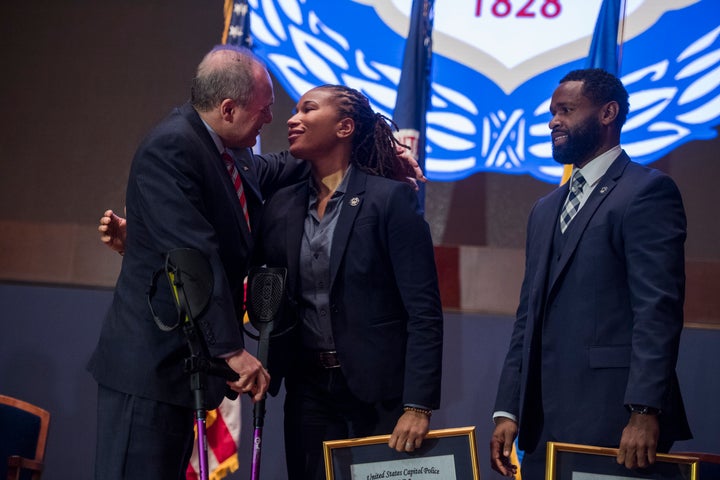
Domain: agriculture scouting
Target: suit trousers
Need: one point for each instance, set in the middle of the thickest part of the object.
(139, 438)
(319, 406)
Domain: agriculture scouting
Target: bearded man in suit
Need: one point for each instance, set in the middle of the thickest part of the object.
(595, 343)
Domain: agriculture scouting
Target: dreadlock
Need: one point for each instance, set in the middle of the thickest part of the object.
(374, 146)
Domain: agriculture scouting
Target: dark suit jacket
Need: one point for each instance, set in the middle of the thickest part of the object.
(601, 326)
(179, 195)
(385, 303)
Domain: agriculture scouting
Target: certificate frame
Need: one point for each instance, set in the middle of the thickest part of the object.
(343, 456)
(568, 461)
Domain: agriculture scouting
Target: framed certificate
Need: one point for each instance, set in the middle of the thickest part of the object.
(567, 461)
(449, 454)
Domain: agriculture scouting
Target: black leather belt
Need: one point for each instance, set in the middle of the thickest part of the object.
(322, 358)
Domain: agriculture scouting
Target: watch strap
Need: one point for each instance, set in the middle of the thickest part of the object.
(643, 409)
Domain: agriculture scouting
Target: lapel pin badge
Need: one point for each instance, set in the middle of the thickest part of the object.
(603, 190)
(354, 201)
(245, 168)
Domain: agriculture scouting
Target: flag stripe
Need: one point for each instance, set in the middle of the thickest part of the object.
(223, 444)
(222, 433)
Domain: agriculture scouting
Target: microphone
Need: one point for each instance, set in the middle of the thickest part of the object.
(266, 290)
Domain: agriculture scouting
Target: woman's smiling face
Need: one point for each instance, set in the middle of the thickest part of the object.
(314, 129)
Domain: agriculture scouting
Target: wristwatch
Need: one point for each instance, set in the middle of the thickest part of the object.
(643, 409)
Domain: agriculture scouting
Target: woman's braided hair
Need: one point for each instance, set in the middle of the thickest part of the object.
(374, 146)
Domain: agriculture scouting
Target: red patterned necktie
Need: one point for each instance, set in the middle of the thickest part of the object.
(237, 182)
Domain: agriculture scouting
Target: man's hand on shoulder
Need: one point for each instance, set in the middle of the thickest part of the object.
(113, 231)
(409, 159)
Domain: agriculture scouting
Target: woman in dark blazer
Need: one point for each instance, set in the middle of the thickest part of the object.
(365, 357)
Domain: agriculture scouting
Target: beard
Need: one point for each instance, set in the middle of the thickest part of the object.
(581, 142)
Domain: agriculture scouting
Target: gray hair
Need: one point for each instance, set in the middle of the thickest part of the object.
(225, 72)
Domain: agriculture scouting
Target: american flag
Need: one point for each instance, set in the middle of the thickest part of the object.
(223, 435)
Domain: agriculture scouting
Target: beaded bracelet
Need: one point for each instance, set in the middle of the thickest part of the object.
(418, 410)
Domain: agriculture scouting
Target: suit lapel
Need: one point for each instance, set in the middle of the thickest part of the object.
(218, 166)
(604, 188)
(294, 220)
(232, 199)
(246, 167)
(352, 203)
(543, 238)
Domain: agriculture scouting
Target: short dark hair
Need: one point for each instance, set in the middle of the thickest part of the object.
(601, 87)
(226, 71)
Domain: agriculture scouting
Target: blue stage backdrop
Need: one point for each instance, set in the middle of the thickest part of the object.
(495, 65)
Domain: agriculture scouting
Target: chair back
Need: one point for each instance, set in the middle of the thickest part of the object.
(23, 436)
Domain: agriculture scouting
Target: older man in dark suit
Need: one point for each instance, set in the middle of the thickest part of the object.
(193, 184)
(593, 352)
